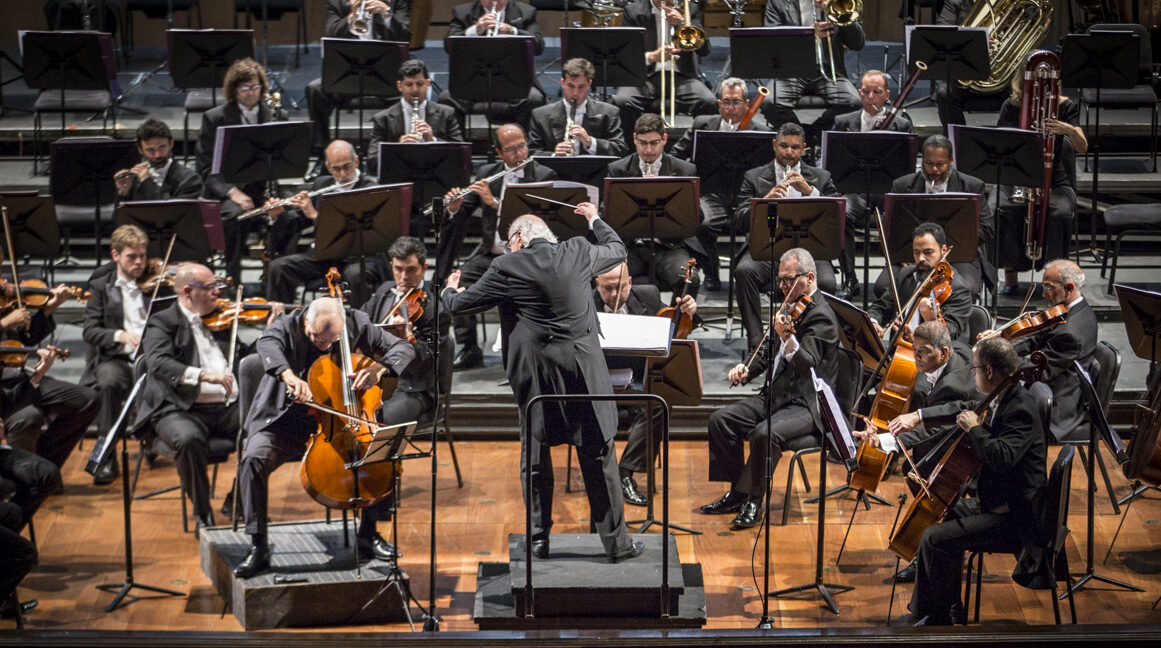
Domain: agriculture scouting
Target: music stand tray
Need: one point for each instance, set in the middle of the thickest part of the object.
(565, 223)
(1011, 156)
(199, 58)
(586, 169)
(617, 53)
(197, 224)
(35, 232)
(868, 163)
(433, 167)
(1100, 59)
(72, 60)
(856, 332)
(957, 213)
(722, 158)
(950, 52)
(814, 224)
(262, 152)
(82, 169)
(649, 208)
(490, 69)
(676, 377)
(361, 223)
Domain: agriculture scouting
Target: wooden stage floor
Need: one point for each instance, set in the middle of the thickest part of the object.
(80, 540)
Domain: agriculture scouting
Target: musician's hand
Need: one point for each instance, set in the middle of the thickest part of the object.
(879, 330)
(424, 130)
(777, 191)
(453, 206)
(688, 305)
(823, 29)
(868, 436)
(588, 210)
(563, 147)
(671, 53)
(782, 327)
(396, 320)
(240, 199)
(967, 420)
(367, 377)
(275, 212)
(739, 374)
(453, 281)
(304, 204)
(581, 135)
(485, 22)
(276, 309)
(481, 189)
(906, 335)
(225, 379)
(130, 339)
(57, 296)
(43, 364)
(795, 179)
(296, 387)
(123, 184)
(141, 170)
(926, 310)
(984, 334)
(16, 319)
(373, 7)
(904, 423)
(673, 16)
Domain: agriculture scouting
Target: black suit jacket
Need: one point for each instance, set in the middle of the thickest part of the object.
(284, 345)
(389, 124)
(180, 183)
(420, 374)
(852, 122)
(550, 329)
(683, 149)
(785, 13)
(630, 167)
(102, 319)
(955, 384)
(602, 122)
(398, 30)
(760, 180)
(956, 310)
(1075, 339)
(228, 114)
(520, 15)
(639, 13)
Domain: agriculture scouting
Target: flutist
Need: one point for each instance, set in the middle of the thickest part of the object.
(577, 124)
(157, 176)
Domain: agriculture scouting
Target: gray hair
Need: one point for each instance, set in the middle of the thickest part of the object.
(324, 306)
(1069, 272)
(935, 332)
(735, 82)
(531, 227)
(802, 258)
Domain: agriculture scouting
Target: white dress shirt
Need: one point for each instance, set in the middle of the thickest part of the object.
(132, 310)
(210, 358)
(780, 175)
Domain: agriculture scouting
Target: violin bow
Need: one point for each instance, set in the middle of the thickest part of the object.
(765, 334)
(887, 259)
(11, 256)
(913, 301)
(153, 297)
(620, 279)
(397, 305)
(234, 328)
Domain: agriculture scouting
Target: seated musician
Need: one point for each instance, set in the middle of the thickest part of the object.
(1009, 443)
(785, 177)
(113, 323)
(839, 94)
(716, 207)
(807, 344)
(939, 175)
(385, 20)
(928, 246)
(615, 293)
(17, 558)
(596, 125)
(501, 18)
(399, 123)
(189, 395)
(1069, 140)
(286, 273)
(158, 176)
(243, 89)
(101, 15)
(689, 93)
(485, 195)
(279, 424)
(1073, 339)
(874, 93)
(950, 100)
(651, 160)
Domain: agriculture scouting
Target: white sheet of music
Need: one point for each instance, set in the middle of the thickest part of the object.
(634, 335)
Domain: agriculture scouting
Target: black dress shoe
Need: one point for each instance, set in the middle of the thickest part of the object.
(731, 502)
(712, 283)
(378, 547)
(228, 509)
(632, 495)
(633, 551)
(255, 562)
(747, 516)
(8, 611)
(469, 358)
(906, 575)
(315, 171)
(107, 473)
(540, 548)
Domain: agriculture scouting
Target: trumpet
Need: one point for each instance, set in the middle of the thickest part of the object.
(362, 22)
(498, 15)
(415, 116)
(259, 211)
(463, 194)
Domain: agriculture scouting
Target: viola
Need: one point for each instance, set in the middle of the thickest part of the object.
(682, 325)
(33, 293)
(158, 274)
(1032, 322)
(14, 354)
(411, 305)
(792, 311)
(254, 311)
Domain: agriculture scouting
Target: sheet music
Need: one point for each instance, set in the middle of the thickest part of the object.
(621, 378)
(887, 442)
(593, 193)
(644, 335)
(827, 399)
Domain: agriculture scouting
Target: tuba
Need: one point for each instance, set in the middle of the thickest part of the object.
(1014, 29)
(1039, 95)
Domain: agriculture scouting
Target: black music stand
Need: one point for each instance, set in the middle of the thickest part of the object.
(1099, 60)
(196, 223)
(585, 169)
(262, 152)
(772, 53)
(361, 223)
(652, 208)
(957, 213)
(950, 52)
(199, 58)
(1010, 156)
(814, 224)
(867, 164)
(80, 175)
(856, 332)
(722, 159)
(520, 199)
(617, 53)
(360, 69)
(490, 69)
(32, 219)
(433, 167)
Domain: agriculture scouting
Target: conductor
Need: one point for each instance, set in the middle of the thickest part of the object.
(542, 288)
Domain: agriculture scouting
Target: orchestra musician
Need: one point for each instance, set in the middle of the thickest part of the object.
(479, 18)
(158, 176)
(399, 123)
(243, 89)
(810, 343)
(928, 247)
(550, 342)
(286, 273)
(715, 207)
(596, 125)
(650, 160)
(101, 15)
(485, 195)
(838, 92)
(279, 424)
(384, 20)
(785, 177)
(1009, 442)
(615, 293)
(939, 175)
(690, 94)
(113, 323)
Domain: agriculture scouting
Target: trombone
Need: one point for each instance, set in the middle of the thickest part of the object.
(839, 13)
(688, 37)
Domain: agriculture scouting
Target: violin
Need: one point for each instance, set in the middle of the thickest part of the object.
(14, 354)
(159, 274)
(1031, 323)
(937, 286)
(254, 311)
(411, 305)
(791, 311)
(33, 293)
(682, 325)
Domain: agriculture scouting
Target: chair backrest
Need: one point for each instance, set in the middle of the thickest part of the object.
(1056, 498)
(1108, 370)
(1043, 397)
(978, 321)
(1145, 66)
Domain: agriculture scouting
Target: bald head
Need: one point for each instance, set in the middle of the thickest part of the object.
(614, 286)
(196, 287)
(191, 273)
(324, 322)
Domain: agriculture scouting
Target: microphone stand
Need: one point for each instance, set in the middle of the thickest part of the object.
(430, 620)
(766, 622)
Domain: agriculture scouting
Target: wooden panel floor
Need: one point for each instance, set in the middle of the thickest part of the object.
(80, 540)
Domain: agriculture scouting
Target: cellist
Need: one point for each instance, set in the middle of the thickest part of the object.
(279, 423)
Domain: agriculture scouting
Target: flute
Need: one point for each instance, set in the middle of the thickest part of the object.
(465, 192)
(258, 211)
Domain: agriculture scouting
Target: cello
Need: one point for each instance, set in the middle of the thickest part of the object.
(332, 471)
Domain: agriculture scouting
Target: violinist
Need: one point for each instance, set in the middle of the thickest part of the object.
(1009, 442)
(928, 247)
(113, 323)
(158, 176)
(278, 424)
(615, 293)
(1074, 339)
(190, 394)
(809, 343)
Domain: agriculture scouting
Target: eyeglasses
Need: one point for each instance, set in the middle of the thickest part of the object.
(512, 150)
(974, 367)
(649, 143)
(782, 281)
(731, 103)
(250, 88)
(508, 243)
(209, 286)
(872, 91)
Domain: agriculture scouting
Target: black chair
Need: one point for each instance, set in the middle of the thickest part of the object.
(274, 10)
(1143, 95)
(978, 321)
(1052, 534)
(1120, 221)
(1105, 370)
(154, 9)
(94, 102)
